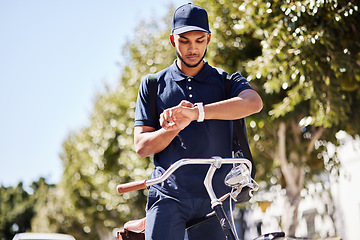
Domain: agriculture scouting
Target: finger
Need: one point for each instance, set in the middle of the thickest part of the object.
(166, 120)
(186, 103)
(163, 122)
(166, 115)
(171, 113)
(170, 126)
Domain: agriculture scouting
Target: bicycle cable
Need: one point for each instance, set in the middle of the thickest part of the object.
(231, 211)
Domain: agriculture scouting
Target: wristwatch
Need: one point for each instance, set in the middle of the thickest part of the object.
(201, 111)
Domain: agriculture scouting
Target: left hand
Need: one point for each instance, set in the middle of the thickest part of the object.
(178, 117)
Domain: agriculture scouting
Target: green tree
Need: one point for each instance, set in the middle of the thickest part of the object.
(18, 208)
(100, 156)
(51, 210)
(303, 57)
(16, 211)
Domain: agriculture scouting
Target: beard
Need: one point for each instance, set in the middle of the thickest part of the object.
(189, 65)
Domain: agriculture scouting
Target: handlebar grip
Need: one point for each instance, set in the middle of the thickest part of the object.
(132, 186)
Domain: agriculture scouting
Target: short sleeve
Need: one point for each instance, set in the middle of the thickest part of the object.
(143, 115)
(238, 83)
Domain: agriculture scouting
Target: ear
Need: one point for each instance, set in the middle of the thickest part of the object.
(172, 40)
(208, 38)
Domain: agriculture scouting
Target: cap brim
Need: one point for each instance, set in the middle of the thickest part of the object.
(189, 29)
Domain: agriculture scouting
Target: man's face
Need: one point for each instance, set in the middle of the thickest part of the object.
(191, 46)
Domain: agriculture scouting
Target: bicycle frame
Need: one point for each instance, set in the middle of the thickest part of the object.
(216, 203)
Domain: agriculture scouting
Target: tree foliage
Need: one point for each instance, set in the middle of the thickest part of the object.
(303, 59)
(18, 208)
(100, 156)
(16, 211)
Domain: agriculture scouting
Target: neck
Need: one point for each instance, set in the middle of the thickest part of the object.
(189, 71)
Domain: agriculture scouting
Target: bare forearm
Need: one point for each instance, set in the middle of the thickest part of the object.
(151, 142)
(248, 102)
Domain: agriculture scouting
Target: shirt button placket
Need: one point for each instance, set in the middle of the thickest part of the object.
(189, 88)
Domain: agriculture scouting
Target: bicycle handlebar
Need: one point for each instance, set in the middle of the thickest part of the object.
(216, 161)
(216, 204)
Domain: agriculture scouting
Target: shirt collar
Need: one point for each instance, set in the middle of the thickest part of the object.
(177, 75)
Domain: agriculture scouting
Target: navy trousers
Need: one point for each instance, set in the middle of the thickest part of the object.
(166, 218)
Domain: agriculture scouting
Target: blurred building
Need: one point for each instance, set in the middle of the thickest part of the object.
(346, 192)
(330, 207)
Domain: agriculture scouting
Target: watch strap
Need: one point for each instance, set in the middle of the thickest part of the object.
(201, 111)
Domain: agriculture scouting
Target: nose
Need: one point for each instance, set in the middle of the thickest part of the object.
(192, 48)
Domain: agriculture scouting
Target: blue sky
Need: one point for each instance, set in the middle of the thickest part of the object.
(54, 58)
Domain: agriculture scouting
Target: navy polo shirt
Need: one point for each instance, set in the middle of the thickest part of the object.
(198, 140)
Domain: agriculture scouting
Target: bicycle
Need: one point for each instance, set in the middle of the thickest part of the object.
(238, 178)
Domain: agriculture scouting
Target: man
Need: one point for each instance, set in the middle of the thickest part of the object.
(193, 124)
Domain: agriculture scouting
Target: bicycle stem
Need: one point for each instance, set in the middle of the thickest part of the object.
(208, 181)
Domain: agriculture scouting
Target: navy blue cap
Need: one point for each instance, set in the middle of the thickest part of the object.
(190, 17)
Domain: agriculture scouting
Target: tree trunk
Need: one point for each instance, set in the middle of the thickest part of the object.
(289, 220)
(292, 168)
(103, 232)
(294, 176)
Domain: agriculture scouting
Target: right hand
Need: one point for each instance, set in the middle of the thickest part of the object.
(178, 117)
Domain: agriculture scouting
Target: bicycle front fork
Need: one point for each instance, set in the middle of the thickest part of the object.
(224, 222)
